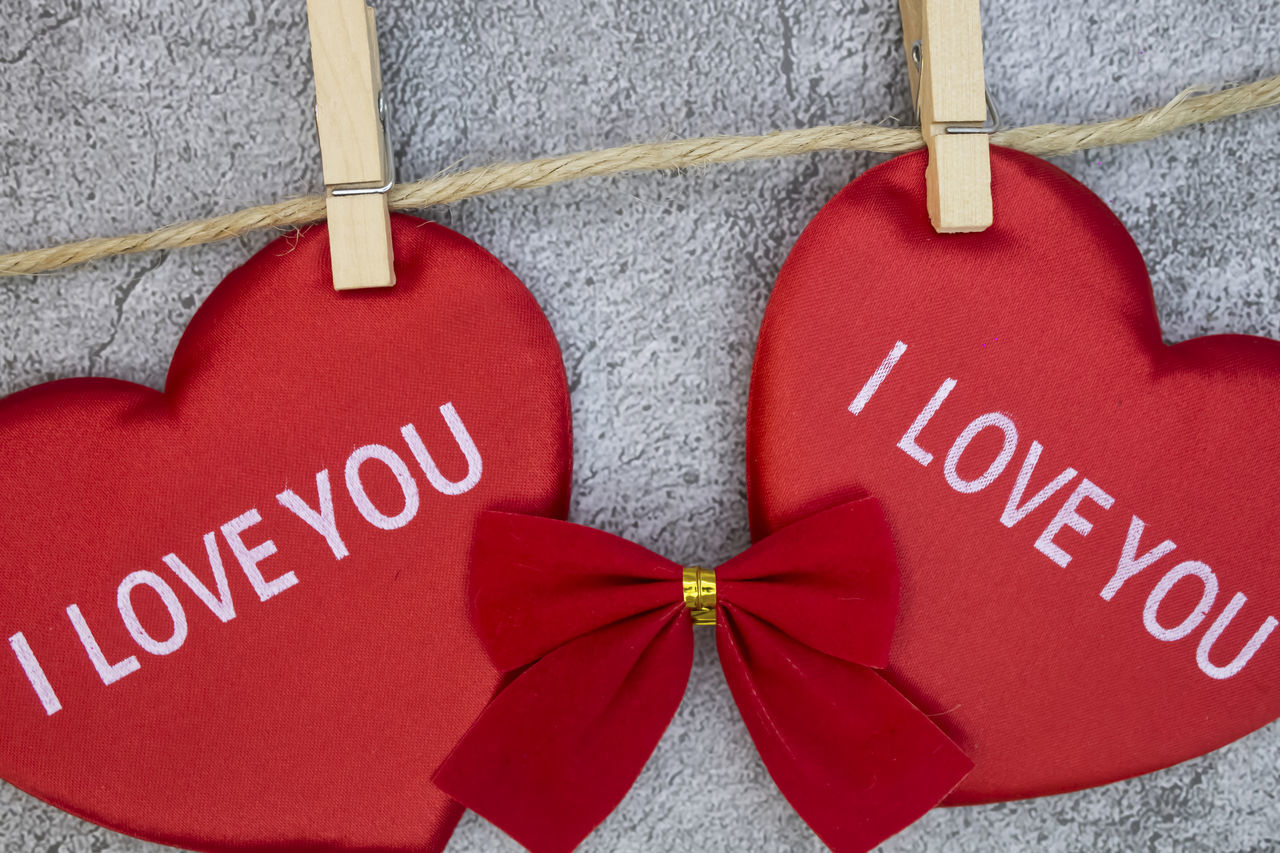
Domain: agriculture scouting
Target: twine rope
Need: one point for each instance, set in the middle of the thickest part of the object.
(1192, 106)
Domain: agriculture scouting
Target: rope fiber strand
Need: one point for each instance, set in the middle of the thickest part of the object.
(1192, 106)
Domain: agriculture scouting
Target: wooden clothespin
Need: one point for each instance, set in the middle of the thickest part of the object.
(354, 147)
(943, 39)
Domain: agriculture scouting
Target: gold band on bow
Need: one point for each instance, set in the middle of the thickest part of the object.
(700, 594)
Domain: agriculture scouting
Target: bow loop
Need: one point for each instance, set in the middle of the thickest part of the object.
(537, 583)
(829, 580)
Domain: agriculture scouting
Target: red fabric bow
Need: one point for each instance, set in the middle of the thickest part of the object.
(600, 627)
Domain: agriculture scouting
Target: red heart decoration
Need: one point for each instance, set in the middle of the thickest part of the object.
(276, 683)
(1086, 518)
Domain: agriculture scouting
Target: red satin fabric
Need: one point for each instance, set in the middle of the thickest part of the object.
(311, 720)
(599, 630)
(1047, 325)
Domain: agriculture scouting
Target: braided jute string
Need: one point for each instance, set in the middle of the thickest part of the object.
(1190, 107)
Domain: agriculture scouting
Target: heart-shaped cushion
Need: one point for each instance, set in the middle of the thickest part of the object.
(234, 611)
(1086, 518)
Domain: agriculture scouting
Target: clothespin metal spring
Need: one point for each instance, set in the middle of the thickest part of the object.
(388, 168)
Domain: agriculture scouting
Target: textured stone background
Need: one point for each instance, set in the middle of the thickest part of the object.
(121, 115)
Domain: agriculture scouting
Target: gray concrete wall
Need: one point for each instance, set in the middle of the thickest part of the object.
(121, 115)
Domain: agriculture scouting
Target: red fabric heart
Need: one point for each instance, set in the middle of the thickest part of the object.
(304, 702)
(1072, 421)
